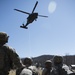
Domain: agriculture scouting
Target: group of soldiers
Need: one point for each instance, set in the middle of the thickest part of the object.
(9, 58)
(56, 67)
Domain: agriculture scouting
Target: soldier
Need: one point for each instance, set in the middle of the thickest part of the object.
(30, 69)
(59, 67)
(48, 68)
(28, 62)
(8, 56)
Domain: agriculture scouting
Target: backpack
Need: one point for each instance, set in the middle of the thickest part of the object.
(5, 60)
(62, 72)
(19, 70)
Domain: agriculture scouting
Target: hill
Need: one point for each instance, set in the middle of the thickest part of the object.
(68, 59)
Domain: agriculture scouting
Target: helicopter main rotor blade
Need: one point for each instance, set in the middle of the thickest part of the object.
(34, 6)
(42, 16)
(22, 11)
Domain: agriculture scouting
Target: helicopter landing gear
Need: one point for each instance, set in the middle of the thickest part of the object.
(24, 27)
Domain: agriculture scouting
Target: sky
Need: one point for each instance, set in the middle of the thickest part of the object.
(54, 35)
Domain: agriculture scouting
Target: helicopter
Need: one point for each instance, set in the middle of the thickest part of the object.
(32, 16)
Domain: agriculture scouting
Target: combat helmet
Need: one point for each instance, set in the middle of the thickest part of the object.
(28, 61)
(3, 37)
(48, 61)
(58, 60)
(48, 64)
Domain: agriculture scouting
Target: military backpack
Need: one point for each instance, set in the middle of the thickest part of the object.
(5, 61)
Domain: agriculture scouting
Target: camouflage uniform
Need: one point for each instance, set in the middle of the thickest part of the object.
(48, 68)
(25, 71)
(30, 69)
(59, 67)
(12, 55)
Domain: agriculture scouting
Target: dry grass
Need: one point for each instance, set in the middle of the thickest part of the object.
(12, 72)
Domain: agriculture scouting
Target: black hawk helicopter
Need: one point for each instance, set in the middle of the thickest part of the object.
(32, 16)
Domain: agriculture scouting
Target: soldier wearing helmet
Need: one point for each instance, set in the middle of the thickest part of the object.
(48, 68)
(28, 61)
(59, 67)
(3, 38)
(48, 64)
(28, 70)
(58, 60)
(8, 55)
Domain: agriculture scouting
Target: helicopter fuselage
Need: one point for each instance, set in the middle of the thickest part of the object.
(32, 17)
